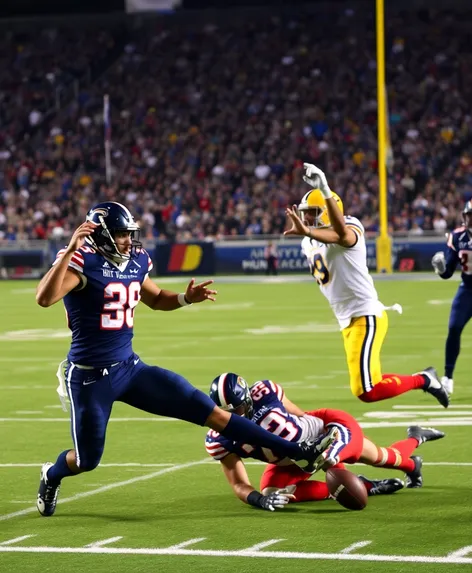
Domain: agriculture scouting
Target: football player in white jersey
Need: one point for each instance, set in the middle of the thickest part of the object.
(334, 245)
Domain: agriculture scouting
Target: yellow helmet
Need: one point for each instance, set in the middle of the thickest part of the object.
(314, 200)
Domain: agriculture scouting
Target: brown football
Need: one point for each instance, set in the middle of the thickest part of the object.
(346, 488)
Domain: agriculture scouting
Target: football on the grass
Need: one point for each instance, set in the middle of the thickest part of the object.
(346, 488)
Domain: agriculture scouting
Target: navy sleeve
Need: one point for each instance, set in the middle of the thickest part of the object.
(452, 257)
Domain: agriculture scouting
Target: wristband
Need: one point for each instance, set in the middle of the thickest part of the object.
(254, 498)
(183, 300)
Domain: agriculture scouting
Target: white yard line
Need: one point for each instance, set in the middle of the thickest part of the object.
(137, 419)
(462, 552)
(262, 545)
(104, 541)
(243, 553)
(439, 408)
(23, 412)
(436, 422)
(122, 465)
(246, 462)
(16, 540)
(187, 543)
(355, 546)
(109, 487)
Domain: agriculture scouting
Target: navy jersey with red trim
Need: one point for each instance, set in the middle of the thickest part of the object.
(100, 312)
(270, 414)
(459, 251)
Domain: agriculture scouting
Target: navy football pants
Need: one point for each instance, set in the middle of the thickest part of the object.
(149, 388)
(461, 313)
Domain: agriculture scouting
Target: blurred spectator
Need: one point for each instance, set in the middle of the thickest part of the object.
(211, 125)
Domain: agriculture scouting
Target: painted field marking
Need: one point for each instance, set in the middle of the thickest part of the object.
(246, 462)
(187, 543)
(439, 422)
(462, 552)
(109, 487)
(16, 540)
(138, 419)
(104, 541)
(354, 546)
(408, 413)
(439, 408)
(26, 412)
(241, 553)
(262, 545)
(123, 465)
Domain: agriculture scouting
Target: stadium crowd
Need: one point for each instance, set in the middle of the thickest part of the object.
(211, 126)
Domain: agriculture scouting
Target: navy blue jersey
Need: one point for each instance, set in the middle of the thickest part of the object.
(100, 312)
(270, 414)
(459, 251)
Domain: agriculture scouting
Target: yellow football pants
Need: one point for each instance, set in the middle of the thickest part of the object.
(363, 339)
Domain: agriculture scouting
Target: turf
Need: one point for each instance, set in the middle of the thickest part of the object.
(173, 493)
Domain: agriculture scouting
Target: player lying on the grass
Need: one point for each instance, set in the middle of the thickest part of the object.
(459, 250)
(102, 275)
(266, 404)
(335, 247)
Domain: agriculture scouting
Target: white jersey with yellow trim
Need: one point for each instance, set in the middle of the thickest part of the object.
(343, 276)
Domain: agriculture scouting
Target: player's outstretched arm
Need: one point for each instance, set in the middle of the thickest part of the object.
(444, 266)
(236, 474)
(61, 279)
(160, 299)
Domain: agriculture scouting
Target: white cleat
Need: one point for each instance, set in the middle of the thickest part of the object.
(448, 383)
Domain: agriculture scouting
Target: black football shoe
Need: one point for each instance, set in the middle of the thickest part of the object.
(382, 486)
(47, 493)
(414, 479)
(433, 386)
(424, 434)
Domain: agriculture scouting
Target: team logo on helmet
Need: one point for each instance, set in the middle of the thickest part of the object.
(98, 211)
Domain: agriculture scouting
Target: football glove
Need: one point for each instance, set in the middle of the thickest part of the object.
(439, 263)
(275, 500)
(316, 178)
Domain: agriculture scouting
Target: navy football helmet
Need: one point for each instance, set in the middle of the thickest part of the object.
(467, 216)
(112, 217)
(230, 391)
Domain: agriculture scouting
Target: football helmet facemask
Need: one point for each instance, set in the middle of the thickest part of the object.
(467, 216)
(229, 391)
(314, 201)
(112, 217)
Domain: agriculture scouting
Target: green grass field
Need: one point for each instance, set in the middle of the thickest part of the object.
(157, 489)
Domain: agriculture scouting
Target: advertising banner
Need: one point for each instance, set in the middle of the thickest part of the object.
(184, 259)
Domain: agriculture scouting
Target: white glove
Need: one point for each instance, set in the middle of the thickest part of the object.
(277, 499)
(439, 263)
(311, 177)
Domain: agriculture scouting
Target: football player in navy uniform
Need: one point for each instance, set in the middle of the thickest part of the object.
(282, 481)
(459, 251)
(102, 275)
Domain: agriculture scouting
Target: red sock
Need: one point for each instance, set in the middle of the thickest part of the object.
(311, 491)
(406, 447)
(393, 385)
(397, 458)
